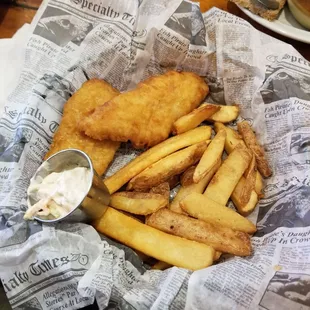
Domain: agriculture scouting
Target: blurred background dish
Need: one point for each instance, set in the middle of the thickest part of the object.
(285, 24)
(301, 11)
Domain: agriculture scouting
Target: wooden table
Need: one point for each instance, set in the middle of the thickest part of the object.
(15, 14)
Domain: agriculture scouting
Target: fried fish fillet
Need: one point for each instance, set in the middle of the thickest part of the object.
(92, 93)
(145, 115)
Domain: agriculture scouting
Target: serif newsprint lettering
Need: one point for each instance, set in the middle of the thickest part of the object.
(107, 11)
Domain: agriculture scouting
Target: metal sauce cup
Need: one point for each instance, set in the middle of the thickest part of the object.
(96, 198)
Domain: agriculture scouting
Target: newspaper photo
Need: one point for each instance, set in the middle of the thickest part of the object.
(70, 266)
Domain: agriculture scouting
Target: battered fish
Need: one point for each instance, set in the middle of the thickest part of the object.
(92, 93)
(146, 114)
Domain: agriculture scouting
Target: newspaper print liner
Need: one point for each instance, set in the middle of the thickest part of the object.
(45, 267)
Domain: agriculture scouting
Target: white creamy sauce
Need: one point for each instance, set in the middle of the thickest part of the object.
(58, 193)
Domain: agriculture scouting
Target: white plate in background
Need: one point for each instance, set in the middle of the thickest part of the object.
(285, 25)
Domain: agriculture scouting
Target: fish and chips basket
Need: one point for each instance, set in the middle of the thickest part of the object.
(69, 265)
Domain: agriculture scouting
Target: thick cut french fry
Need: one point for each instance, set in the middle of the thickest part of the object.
(222, 239)
(171, 165)
(173, 250)
(193, 119)
(244, 196)
(205, 209)
(138, 203)
(243, 190)
(251, 142)
(192, 188)
(244, 207)
(160, 265)
(210, 157)
(248, 191)
(228, 175)
(232, 137)
(226, 114)
(154, 154)
(248, 185)
(162, 189)
(232, 140)
(252, 168)
(250, 206)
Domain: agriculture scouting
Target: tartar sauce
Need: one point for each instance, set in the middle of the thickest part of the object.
(58, 193)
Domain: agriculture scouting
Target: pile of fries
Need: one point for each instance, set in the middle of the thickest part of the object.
(196, 227)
